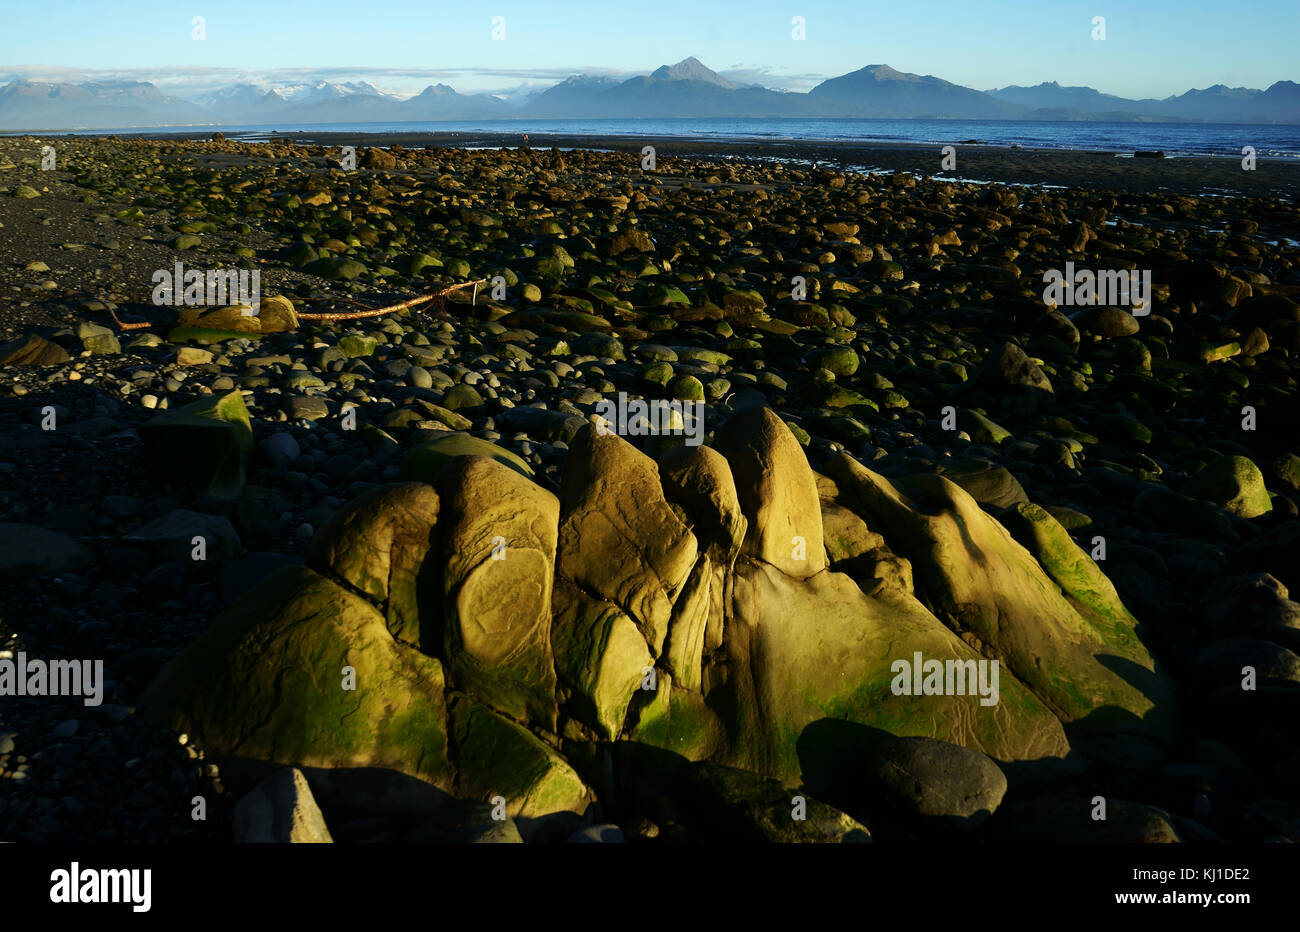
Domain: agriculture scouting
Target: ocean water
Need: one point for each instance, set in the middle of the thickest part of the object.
(1216, 139)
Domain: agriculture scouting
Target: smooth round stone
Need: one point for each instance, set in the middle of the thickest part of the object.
(686, 388)
(307, 407)
(419, 377)
(607, 834)
(302, 380)
(461, 396)
(281, 449)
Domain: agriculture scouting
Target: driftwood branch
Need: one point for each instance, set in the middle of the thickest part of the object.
(394, 308)
(139, 326)
(437, 296)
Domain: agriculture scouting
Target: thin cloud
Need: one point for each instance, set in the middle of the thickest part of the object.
(185, 80)
(768, 77)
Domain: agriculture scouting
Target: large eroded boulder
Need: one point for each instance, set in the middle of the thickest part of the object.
(728, 605)
(777, 492)
(380, 545)
(301, 671)
(619, 537)
(1089, 668)
(498, 549)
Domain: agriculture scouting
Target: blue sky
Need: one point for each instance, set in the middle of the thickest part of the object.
(1153, 48)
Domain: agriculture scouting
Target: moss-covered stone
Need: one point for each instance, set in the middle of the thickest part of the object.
(657, 373)
(1071, 568)
(495, 756)
(425, 461)
(975, 575)
(384, 544)
(204, 335)
(677, 720)
(783, 683)
(354, 345)
(842, 360)
(97, 339)
(335, 268)
(686, 388)
(981, 429)
(318, 682)
(1235, 484)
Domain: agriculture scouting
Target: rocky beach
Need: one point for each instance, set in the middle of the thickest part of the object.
(367, 575)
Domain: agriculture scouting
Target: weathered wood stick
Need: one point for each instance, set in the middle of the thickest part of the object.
(353, 315)
(137, 326)
(394, 308)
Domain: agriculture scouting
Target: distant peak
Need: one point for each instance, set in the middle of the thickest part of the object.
(690, 69)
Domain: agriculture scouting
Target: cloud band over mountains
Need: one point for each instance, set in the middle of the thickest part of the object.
(52, 98)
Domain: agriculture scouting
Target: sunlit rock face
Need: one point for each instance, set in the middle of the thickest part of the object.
(724, 603)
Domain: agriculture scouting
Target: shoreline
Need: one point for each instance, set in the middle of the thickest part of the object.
(1117, 171)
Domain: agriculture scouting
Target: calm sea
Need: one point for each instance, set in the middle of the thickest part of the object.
(1222, 139)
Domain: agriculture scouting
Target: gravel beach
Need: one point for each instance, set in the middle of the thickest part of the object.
(1102, 497)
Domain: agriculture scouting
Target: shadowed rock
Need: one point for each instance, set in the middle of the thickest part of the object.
(204, 445)
(280, 810)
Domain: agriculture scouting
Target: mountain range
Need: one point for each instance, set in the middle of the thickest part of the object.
(686, 89)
